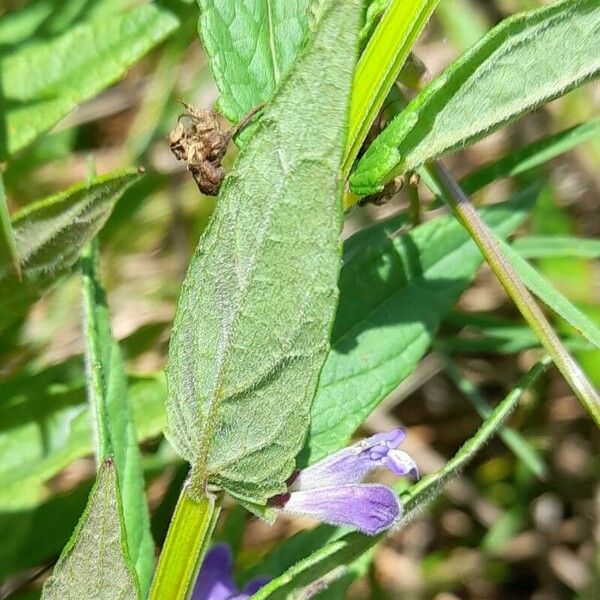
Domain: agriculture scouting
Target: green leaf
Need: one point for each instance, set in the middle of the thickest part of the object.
(8, 244)
(523, 62)
(46, 425)
(548, 246)
(548, 294)
(92, 564)
(253, 323)
(50, 235)
(44, 18)
(394, 291)
(531, 156)
(345, 550)
(252, 46)
(42, 82)
(115, 430)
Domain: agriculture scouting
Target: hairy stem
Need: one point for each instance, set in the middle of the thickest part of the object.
(465, 212)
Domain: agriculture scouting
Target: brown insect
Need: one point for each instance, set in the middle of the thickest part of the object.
(202, 144)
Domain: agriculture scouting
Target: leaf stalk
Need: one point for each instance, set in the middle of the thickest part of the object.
(187, 540)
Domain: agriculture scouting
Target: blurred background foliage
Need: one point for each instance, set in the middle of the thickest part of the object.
(509, 528)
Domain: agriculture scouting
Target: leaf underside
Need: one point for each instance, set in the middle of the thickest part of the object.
(253, 323)
(50, 235)
(92, 565)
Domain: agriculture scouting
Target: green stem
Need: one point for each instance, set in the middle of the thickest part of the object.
(187, 539)
(380, 65)
(519, 445)
(465, 212)
(427, 486)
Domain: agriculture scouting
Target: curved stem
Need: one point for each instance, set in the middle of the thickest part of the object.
(187, 539)
(461, 206)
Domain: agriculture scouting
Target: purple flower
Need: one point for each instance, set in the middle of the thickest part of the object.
(214, 581)
(332, 490)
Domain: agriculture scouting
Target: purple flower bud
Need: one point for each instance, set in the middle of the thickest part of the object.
(354, 463)
(370, 508)
(215, 582)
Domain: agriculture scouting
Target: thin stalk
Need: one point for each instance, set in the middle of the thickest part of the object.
(345, 550)
(465, 212)
(187, 540)
(425, 488)
(519, 445)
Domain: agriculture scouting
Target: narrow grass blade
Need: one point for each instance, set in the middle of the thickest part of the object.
(549, 246)
(548, 294)
(531, 156)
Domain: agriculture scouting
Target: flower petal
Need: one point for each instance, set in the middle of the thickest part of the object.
(214, 580)
(370, 508)
(251, 588)
(351, 464)
(255, 584)
(401, 463)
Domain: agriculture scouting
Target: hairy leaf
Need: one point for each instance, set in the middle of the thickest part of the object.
(42, 82)
(395, 290)
(253, 323)
(525, 61)
(92, 564)
(252, 46)
(346, 549)
(488, 333)
(115, 430)
(50, 235)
